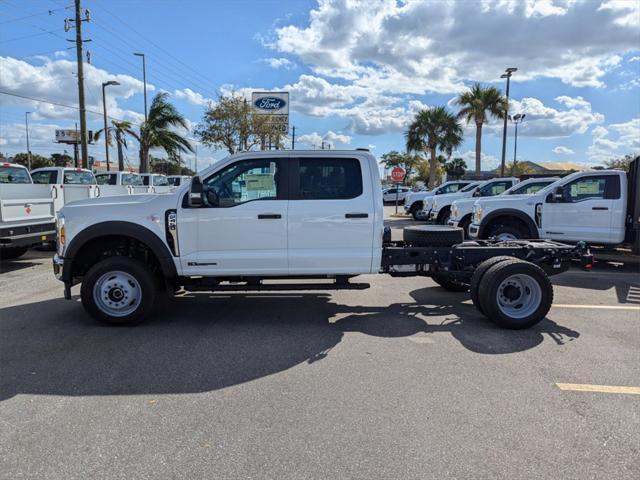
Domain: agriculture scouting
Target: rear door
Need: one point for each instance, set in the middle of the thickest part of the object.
(331, 215)
(584, 212)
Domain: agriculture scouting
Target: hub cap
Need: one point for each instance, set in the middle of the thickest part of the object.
(505, 236)
(117, 294)
(519, 296)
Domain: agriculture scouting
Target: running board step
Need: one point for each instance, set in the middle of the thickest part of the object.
(277, 287)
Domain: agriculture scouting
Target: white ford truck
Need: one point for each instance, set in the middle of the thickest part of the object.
(414, 201)
(462, 209)
(593, 206)
(26, 212)
(440, 210)
(66, 184)
(259, 217)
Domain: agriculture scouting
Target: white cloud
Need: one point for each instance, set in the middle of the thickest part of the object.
(488, 162)
(626, 141)
(313, 140)
(334, 138)
(560, 150)
(280, 62)
(329, 140)
(192, 97)
(385, 45)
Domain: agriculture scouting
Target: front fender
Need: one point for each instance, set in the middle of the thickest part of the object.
(507, 212)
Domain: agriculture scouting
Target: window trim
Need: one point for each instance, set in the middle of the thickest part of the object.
(616, 188)
(294, 178)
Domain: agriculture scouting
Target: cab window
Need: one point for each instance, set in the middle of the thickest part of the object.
(588, 188)
(529, 189)
(160, 181)
(46, 177)
(242, 182)
(14, 175)
(329, 179)
(106, 179)
(75, 177)
(131, 179)
(494, 188)
(451, 188)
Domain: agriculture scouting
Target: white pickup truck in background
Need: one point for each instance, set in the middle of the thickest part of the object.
(414, 201)
(593, 206)
(462, 209)
(66, 184)
(156, 183)
(440, 207)
(119, 183)
(26, 212)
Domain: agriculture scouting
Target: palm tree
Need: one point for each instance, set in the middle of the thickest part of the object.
(477, 104)
(157, 131)
(433, 129)
(120, 130)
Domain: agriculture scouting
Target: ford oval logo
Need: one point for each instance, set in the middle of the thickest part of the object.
(270, 103)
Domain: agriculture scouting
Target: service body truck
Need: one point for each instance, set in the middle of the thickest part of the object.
(119, 183)
(462, 209)
(593, 206)
(177, 180)
(256, 217)
(26, 212)
(66, 184)
(440, 207)
(414, 201)
(156, 183)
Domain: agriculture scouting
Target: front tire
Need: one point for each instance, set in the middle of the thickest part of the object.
(119, 291)
(515, 294)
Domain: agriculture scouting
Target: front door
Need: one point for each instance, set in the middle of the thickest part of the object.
(242, 227)
(331, 216)
(584, 213)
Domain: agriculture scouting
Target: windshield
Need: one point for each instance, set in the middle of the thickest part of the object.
(106, 179)
(78, 177)
(470, 187)
(14, 175)
(131, 179)
(160, 181)
(528, 188)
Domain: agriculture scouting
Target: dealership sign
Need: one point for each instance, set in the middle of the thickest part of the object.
(271, 103)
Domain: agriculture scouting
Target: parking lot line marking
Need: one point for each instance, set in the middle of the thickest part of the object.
(599, 307)
(579, 387)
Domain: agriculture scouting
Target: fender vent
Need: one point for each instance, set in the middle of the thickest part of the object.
(171, 231)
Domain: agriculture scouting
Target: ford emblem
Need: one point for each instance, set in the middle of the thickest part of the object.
(270, 103)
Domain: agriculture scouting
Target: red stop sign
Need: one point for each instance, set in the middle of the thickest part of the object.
(397, 174)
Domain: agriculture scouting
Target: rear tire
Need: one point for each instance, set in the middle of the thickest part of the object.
(515, 294)
(432, 236)
(446, 282)
(477, 276)
(10, 253)
(119, 291)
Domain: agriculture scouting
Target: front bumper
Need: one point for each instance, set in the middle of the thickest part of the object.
(453, 223)
(58, 265)
(473, 231)
(433, 215)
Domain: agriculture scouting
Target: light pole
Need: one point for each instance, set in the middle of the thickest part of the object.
(508, 72)
(26, 126)
(106, 128)
(144, 81)
(516, 119)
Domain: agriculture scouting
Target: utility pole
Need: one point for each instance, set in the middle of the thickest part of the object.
(75, 149)
(104, 111)
(26, 126)
(293, 139)
(196, 161)
(508, 72)
(322, 145)
(83, 112)
(144, 81)
(516, 119)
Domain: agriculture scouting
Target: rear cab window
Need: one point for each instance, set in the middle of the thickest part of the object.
(45, 177)
(160, 181)
(106, 179)
(78, 177)
(131, 179)
(9, 174)
(328, 179)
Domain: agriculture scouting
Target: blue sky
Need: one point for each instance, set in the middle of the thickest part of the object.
(357, 71)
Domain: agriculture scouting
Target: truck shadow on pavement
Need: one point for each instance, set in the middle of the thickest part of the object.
(216, 341)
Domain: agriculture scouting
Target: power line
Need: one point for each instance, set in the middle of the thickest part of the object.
(47, 12)
(25, 36)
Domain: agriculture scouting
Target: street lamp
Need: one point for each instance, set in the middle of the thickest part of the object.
(26, 126)
(516, 119)
(106, 129)
(144, 80)
(508, 72)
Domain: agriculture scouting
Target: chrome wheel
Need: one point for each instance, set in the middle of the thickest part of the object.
(519, 296)
(117, 294)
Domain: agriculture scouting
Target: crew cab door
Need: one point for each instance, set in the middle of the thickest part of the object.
(331, 216)
(584, 212)
(242, 227)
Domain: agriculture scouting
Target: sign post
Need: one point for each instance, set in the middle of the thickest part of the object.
(397, 175)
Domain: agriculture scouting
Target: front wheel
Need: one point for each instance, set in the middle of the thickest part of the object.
(507, 232)
(119, 291)
(515, 294)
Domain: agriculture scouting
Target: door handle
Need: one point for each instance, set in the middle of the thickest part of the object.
(356, 215)
(267, 216)
(599, 208)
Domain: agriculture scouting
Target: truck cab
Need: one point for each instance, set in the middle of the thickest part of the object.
(441, 206)
(462, 209)
(177, 180)
(584, 206)
(414, 201)
(26, 212)
(119, 183)
(67, 184)
(155, 182)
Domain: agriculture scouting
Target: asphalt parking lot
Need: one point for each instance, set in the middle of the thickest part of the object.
(400, 381)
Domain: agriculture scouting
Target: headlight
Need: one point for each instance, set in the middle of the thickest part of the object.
(454, 212)
(60, 234)
(477, 215)
(434, 206)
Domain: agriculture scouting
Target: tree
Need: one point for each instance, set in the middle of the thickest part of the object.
(233, 125)
(120, 130)
(61, 159)
(621, 163)
(517, 169)
(158, 131)
(433, 129)
(173, 165)
(403, 160)
(477, 104)
(37, 161)
(455, 168)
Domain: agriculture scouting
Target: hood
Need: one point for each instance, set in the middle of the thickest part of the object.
(446, 197)
(116, 200)
(503, 198)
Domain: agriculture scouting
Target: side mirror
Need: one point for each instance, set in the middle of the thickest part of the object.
(477, 193)
(195, 192)
(558, 195)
